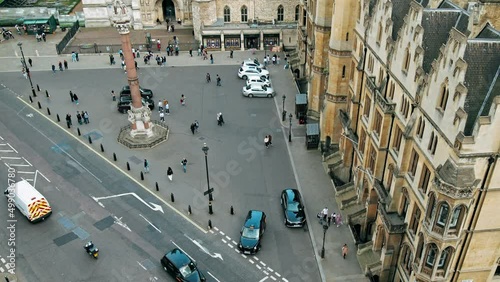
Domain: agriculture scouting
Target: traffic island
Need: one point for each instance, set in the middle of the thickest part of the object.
(160, 134)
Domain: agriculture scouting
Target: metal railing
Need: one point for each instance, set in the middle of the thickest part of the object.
(60, 47)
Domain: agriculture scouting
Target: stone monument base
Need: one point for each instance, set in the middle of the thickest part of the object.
(142, 141)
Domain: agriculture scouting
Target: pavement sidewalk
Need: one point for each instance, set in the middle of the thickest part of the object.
(315, 185)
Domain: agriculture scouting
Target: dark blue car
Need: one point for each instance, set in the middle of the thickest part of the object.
(252, 231)
(293, 210)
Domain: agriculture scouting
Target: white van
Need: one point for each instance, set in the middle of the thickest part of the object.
(258, 80)
(29, 201)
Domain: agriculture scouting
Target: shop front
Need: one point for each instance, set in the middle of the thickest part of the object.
(252, 41)
(271, 40)
(232, 42)
(212, 42)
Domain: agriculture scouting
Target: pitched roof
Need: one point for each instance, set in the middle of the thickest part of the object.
(481, 79)
(458, 176)
(399, 10)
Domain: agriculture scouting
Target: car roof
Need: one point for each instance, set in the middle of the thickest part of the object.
(253, 219)
(178, 257)
(291, 194)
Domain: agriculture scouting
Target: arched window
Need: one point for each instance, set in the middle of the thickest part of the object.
(430, 259)
(297, 13)
(379, 33)
(406, 62)
(227, 14)
(244, 14)
(420, 247)
(444, 260)
(280, 13)
(442, 217)
(431, 208)
(443, 99)
(406, 259)
(456, 220)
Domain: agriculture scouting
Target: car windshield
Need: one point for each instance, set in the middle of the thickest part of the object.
(293, 207)
(187, 270)
(259, 69)
(250, 233)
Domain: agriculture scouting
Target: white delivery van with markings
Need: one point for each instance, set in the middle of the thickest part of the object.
(29, 201)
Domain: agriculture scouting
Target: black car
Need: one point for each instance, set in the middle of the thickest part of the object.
(252, 231)
(291, 202)
(181, 267)
(125, 102)
(145, 93)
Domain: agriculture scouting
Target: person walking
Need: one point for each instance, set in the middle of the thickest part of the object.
(68, 120)
(266, 141)
(208, 78)
(79, 117)
(231, 54)
(191, 52)
(184, 165)
(73, 56)
(270, 140)
(25, 74)
(196, 125)
(146, 166)
(183, 100)
(160, 106)
(218, 81)
(338, 220)
(86, 117)
(170, 173)
(30, 62)
(60, 66)
(53, 69)
(72, 97)
(76, 57)
(162, 116)
(193, 127)
(345, 249)
(323, 215)
(113, 96)
(211, 59)
(332, 218)
(167, 108)
(65, 64)
(75, 98)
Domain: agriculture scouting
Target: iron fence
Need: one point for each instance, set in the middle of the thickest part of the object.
(114, 48)
(67, 38)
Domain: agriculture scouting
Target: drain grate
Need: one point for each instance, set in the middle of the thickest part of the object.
(64, 239)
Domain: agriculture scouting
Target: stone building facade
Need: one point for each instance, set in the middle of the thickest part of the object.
(407, 94)
(218, 24)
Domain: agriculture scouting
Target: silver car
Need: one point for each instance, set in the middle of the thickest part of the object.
(257, 90)
(245, 72)
(258, 80)
(253, 63)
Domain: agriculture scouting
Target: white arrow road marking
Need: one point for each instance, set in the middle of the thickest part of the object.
(29, 115)
(150, 205)
(205, 250)
(119, 222)
(263, 279)
(150, 223)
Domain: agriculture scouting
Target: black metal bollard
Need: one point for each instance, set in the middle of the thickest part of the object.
(34, 93)
(142, 175)
(90, 140)
(102, 148)
(128, 166)
(48, 111)
(114, 157)
(157, 188)
(31, 100)
(79, 133)
(58, 118)
(189, 210)
(210, 210)
(38, 88)
(172, 197)
(232, 210)
(209, 224)
(39, 105)
(47, 93)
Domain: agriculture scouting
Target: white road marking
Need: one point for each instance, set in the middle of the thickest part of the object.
(10, 158)
(1, 138)
(268, 268)
(204, 249)
(3, 260)
(234, 242)
(150, 205)
(236, 250)
(142, 266)
(119, 222)
(28, 179)
(222, 233)
(150, 223)
(181, 250)
(6, 151)
(277, 274)
(258, 266)
(12, 148)
(262, 263)
(27, 172)
(1, 270)
(263, 279)
(27, 161)
(19, 165)
(256, 258)
(213, 276)
(211, 231)
(37, 54)
(57, 188)
(228, 238)
(284, 279)
(216, 229)
(251, 261)
(272, 277)
(225, 242)
(244, 256)
(37, 173)
(265, 272)
(230, 246)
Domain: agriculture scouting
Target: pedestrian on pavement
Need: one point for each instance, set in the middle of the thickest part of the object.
(332, 218)
(73, 56)
(76, 57)
(72, 97)
(220, 119)
(231, 54)
(199, 52)
(323, 215)
(170, 173)
(75, 98)
(79, 117)
(208, 77)
(113, 96)
(270, 140)
(278, 60)
(68, 120)
(218, 81)
(162, 116)
(163, 61)
(111, 59)
(160, 105)
(266, 141)
(44, 37)
(167, 109)
(184, 164)
(60, 66)
(65, 64)
(211, 59)
(196, 125)
(345, 249)
(183, 100)
(25, 74)
(193, 127)
(30, 62)
(53, 69)
(86, 117)
(191, 52)
(146, 166)
(338, 220)
(329, 220)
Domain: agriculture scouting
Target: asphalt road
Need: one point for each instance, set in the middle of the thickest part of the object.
(69, 177)
(243, 172)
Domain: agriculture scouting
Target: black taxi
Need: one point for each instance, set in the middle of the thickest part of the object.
(252, 231)
(181, 266)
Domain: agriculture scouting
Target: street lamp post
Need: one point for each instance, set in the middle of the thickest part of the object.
(283, 114)
(325, 228)
(20, 44)
(209, 190)
(290, 131)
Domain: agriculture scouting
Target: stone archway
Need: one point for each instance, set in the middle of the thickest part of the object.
(168, 9)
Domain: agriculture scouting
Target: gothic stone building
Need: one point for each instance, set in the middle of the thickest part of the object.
(407, 94)
(218, 24)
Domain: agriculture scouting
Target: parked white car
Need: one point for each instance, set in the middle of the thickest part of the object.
(253, 63)
(258, 80)
(256, 90)
(245, 72)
